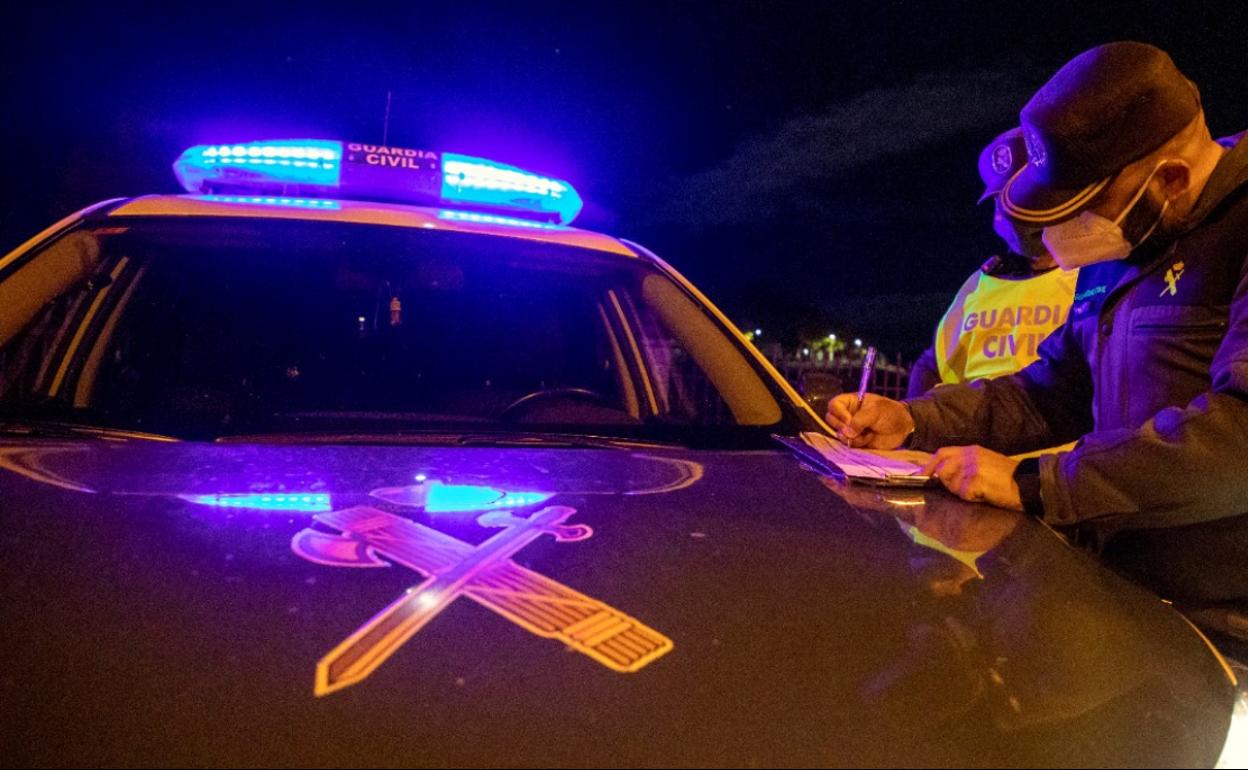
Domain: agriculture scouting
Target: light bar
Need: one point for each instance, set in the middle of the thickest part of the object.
(259, 165)
(492, 219)
(481, 182)
(269, 200)
(292, 171)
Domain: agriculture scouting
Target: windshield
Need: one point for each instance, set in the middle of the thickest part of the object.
(208, 328)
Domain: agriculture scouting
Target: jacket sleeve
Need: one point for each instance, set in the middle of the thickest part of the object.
(1184, 466)
(1047, 404)
(924, 375)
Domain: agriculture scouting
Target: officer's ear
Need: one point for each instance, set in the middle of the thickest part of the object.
(1175, 177)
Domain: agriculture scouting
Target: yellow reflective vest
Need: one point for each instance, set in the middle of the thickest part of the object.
(995, 325)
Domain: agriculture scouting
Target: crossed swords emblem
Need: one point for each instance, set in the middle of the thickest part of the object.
(370, 537)
(1173, 276)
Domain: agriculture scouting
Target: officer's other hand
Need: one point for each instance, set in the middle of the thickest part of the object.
(881, 423)
(978, 475)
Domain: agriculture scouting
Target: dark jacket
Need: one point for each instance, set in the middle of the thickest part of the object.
(1151, 369)
(924, 375)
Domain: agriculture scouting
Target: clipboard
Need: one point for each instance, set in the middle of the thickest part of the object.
(917, 481)
(888, 469)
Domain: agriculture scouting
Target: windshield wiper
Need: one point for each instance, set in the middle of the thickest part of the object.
(57, 429)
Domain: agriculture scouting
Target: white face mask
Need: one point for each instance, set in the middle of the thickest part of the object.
(1089, 238)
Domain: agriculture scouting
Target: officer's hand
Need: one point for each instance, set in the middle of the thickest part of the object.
(978, 475)
(881, 423)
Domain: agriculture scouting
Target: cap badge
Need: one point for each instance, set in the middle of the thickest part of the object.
(1002, 159)
(1035, 149)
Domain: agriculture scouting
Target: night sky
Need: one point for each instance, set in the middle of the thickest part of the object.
(810, 165)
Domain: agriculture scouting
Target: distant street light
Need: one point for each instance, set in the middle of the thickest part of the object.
(857, 343)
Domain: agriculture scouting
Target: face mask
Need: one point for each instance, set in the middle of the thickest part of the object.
(1089, 238)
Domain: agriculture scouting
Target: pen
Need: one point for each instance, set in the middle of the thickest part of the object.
(868, 368)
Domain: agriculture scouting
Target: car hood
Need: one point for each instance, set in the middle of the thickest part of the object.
(199, 604)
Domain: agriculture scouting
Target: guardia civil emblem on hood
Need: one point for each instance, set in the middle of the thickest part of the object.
(364, 536)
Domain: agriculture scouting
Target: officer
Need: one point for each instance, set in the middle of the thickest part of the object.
(1151, 370)
(1010, 305)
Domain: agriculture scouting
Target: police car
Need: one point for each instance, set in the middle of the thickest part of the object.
(361, 455)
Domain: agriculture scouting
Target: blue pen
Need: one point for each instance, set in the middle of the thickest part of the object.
(868, 368)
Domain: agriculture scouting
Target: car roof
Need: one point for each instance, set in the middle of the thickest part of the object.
(364, 212)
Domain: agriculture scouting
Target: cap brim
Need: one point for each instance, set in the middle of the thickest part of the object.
(1025, 199)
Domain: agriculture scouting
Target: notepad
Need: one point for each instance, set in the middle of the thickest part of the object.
(900, 468)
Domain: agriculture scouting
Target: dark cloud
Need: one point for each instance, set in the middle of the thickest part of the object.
(770, 172)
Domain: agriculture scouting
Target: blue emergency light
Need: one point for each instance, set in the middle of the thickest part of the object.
(301, 169)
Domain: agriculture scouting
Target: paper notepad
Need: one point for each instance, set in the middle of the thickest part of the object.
(870, 465)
